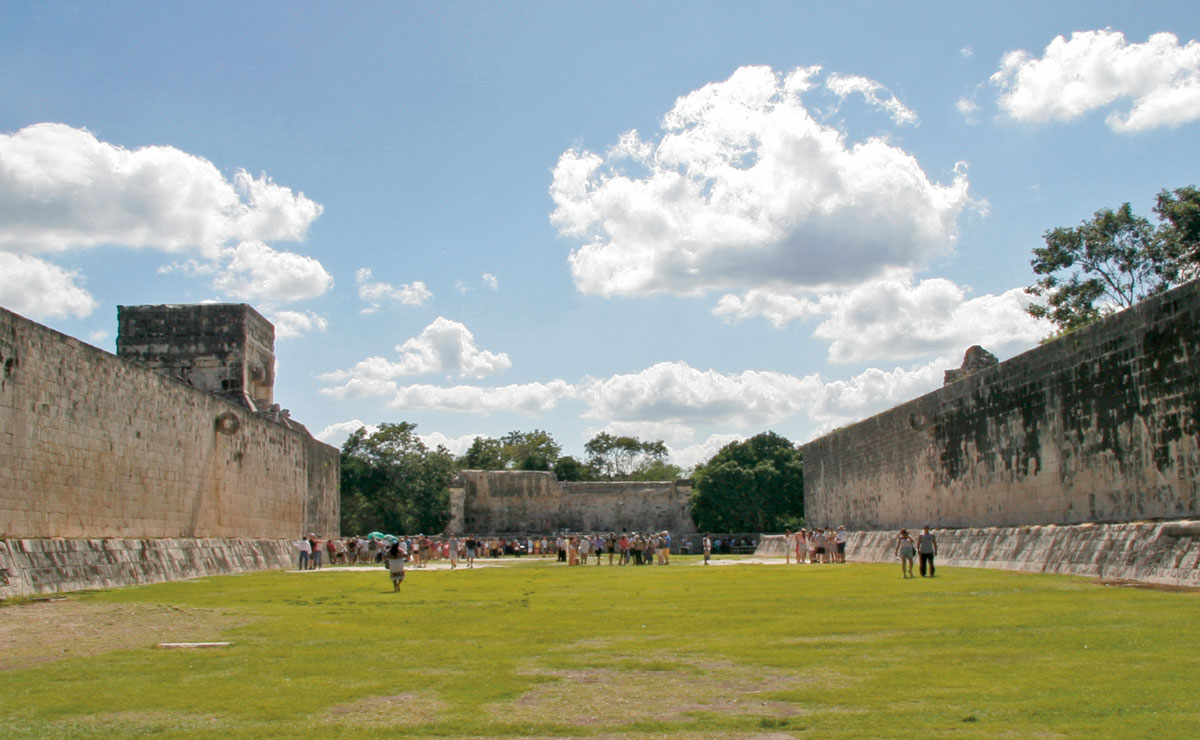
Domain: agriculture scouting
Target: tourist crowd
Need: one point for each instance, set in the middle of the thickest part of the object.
(816, 545)
(572, 549)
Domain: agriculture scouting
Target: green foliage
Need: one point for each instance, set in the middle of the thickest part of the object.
(1115, 259)
(516, 450)
(393, 483)
(484, 453)
(569, 469)
(1179, 212)
(627, 458)
(756, 485)
(534, 450)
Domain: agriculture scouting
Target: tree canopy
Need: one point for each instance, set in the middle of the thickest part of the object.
(756, 485)
(626, 458)
(516, 450)
(393, 483)
(1115, 259)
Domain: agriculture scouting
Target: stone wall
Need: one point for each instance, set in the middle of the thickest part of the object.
(493, 502)
(95, 446)
(1166, 553)
(1102, 425)
(41, 566)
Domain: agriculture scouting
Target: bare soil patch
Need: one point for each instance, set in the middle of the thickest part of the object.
(1168, 587)
(43, 631)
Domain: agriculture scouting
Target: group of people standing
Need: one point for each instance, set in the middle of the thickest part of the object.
(816, 545)
(623, 549)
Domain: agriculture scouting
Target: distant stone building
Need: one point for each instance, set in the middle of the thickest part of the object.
(530, 502)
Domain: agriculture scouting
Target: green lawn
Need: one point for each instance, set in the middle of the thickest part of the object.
(541, 650)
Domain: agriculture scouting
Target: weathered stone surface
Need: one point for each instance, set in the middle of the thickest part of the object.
(39, 566)
(92, 445)
(976, 358)
(493, 502)
(1102, 425)
(222, 348)
(1166, 553)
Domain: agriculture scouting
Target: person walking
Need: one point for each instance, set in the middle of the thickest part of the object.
(905, 549)
(927, 546)
(707, 544)
(395, 563)
(787, 547)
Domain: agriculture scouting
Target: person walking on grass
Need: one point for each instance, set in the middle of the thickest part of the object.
(905, 549)
(927, 545)
(395, 563)
(453, 546)
(787, 548)
(707, 545)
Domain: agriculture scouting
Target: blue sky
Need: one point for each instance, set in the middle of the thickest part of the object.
(687, 221)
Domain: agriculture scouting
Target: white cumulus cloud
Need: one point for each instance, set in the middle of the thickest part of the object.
(62, 188)
(375, 292)
(744, 188)
(874, 93)
(530, 398)
(692, 455)
(40, 289)
(897, 318)
(674, 392)
(444, 346)
(292, 324)
(255, 272)
(1095, 69)
(337, 433)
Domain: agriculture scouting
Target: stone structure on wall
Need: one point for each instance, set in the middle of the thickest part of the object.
(97, 446)
(514, 502)
(225, 349)
(976, 358)
(1102, 425)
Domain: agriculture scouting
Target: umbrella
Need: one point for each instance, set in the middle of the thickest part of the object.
(375, 536)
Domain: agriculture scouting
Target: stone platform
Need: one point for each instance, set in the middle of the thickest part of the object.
(51, 565)
(1166, 553)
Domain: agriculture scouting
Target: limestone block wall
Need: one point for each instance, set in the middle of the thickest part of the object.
(39, 566)
(1151, 552)
(491, 502)
(95, 446)
(1102, 425)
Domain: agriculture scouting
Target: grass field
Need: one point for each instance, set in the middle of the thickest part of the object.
(541, 650)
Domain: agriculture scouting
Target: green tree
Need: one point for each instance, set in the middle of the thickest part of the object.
(534, 450)
(1179, 212)
(516, 450)
(569, 469)
(1115, 259)
(484, 453)
(624, 458)
(756, 485)
(392, 482)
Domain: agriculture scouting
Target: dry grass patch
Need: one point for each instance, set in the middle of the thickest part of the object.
(627, 693)
(142, 723)
(43, 631)
(400, 710)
